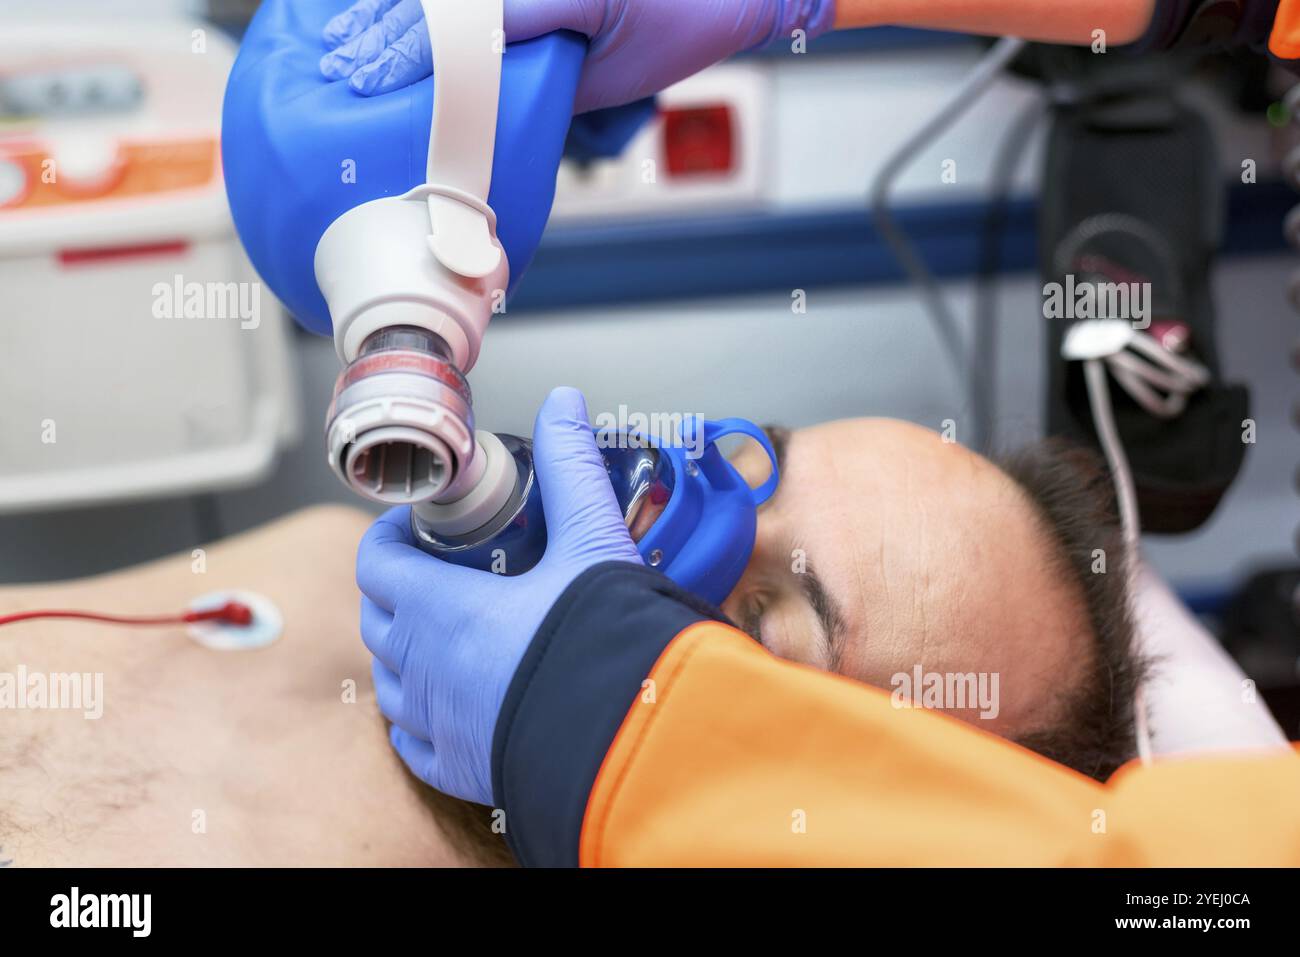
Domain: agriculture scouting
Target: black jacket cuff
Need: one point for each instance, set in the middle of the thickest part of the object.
(569, 697)
(1207, 25)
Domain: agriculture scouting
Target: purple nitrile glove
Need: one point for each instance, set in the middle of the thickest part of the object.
(638, 47)
(446, 640)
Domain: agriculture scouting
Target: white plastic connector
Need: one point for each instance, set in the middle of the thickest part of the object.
(375, 267)
(1140, 364)
(487, 496)
(1096, 339)
(431, 258)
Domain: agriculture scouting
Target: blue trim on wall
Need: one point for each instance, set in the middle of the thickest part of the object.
(740, 253)
(1207, 601)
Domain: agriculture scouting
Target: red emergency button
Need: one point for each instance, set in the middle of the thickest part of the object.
(699, 140)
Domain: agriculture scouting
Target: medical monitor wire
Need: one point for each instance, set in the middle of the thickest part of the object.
(1103, 417)
(976, 82)
(984, 330)
(1141, 368)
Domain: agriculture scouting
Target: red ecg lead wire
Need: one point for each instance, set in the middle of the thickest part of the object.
(232, 612)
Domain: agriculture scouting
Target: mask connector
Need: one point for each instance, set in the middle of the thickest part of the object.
(400, 429)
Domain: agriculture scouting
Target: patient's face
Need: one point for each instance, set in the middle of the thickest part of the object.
(886, 548)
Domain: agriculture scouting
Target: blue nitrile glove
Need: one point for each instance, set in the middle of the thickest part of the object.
(638, 47)
(447, 639)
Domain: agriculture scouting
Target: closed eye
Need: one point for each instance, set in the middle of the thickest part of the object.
(751, 620)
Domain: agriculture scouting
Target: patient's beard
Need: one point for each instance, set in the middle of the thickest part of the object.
(468, 826)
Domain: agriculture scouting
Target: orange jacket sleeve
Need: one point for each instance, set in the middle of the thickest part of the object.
(730, 756)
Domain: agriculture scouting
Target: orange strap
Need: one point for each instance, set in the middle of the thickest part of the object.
(731, 756)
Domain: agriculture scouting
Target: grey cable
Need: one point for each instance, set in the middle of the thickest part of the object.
(1103, 417)
(971, 88)
(984, 327)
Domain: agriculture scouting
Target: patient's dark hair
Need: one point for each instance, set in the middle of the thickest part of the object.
(1072, 491)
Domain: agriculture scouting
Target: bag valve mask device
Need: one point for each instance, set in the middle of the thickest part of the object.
(411, 281)
(407, 279)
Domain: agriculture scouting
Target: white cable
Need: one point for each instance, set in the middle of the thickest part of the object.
(1195, 374)
(1150, 374)
(1179, 377)
(1103, 417)
(1137, 377)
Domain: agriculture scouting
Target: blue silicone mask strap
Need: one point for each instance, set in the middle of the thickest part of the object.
(716, 430)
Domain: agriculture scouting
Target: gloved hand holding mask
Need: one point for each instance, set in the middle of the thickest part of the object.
(447, 639)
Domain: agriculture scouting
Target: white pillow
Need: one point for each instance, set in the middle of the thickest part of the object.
(1197, 698)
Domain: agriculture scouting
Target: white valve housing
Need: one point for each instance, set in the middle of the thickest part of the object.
(431, 258)
(376, 268)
